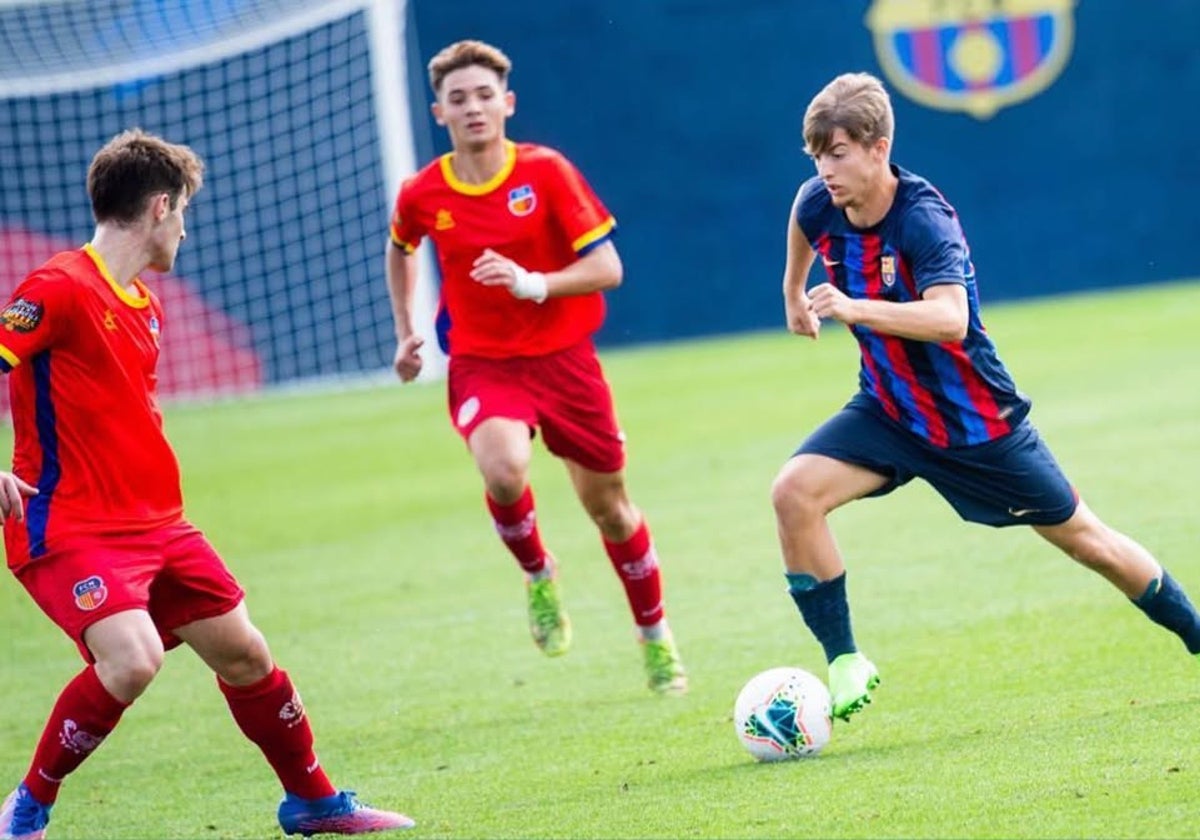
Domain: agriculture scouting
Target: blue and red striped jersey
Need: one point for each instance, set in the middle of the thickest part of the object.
(952, 393)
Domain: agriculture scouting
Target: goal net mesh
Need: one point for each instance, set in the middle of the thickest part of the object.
(280, 278)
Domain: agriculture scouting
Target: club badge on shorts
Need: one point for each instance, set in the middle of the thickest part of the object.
(90, 593)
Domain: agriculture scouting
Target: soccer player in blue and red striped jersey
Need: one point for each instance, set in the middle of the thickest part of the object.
(934, 400)
(100, 540)
(525, 249)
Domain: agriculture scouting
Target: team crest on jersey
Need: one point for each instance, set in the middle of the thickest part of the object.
(887, 269)
(522, 200)
(975, 56)
(90, 593)
(22, 315)
(154, 330)
(443, 220)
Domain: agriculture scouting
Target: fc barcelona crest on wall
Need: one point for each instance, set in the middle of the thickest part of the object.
(975, 56)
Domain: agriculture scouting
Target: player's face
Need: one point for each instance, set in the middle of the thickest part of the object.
(167, 234)
(851, 171)
(473, 106)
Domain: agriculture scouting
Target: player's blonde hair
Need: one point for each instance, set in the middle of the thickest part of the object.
(135, 165)
(468, 53)
(854, 102)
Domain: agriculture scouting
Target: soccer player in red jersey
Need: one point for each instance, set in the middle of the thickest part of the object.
(100, 540)
(525, 251)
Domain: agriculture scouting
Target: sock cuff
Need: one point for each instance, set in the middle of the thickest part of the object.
(514, 513)
(101, 698)
(634, 548)
(271, 682)
(810, 586)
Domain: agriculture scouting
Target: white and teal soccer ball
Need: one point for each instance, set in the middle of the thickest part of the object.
(783, 714)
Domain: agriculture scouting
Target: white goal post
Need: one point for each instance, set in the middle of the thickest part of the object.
(302, 111)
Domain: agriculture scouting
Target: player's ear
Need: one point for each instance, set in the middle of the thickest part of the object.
(882, 147)
(160, 206)
(436, 110)
(510, 103)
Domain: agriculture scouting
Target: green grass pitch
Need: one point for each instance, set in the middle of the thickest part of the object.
(1022, 696)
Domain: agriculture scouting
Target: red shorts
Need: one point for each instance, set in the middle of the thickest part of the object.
(172, 572)
(564, 394)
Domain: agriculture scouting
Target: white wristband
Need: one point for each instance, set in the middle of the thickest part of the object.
(528, 285)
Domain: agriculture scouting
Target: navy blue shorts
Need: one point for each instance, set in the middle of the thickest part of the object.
(1013, 480)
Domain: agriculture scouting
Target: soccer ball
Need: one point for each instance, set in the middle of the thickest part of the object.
(783, 714)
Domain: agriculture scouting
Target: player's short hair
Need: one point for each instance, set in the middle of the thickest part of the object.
(135, 165)
(854, 102)
(467, 54)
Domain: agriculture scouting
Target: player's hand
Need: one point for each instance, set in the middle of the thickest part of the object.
(801, 320)
(827, 302)
(12, 490)
(408, 359)
(492, 269)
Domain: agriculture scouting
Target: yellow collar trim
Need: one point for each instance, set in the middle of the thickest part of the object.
(510, 160)
(136, 301)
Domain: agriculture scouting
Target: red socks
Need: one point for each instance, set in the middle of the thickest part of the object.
(637, 566)
(634, 560)
(517, 526)
(270, 714)
(82, 717)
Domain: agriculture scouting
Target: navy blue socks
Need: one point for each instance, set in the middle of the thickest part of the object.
(1165, 603)
(826, 612)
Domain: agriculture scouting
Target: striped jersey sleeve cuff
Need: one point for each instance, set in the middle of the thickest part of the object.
(594, 236)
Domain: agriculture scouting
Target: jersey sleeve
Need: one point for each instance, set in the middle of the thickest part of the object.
(406, 232)
(34, 317)
(933, 242)
(583, 217)
(812, 201)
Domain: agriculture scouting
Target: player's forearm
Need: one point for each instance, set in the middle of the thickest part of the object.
(800, 259)
(596, 271)
(921, 320)
(793, 288)
(401, 283)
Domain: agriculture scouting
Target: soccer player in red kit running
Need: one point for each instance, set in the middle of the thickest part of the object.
(525, 252)
(101, 542)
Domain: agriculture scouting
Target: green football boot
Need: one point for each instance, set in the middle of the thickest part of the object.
(851, 679)
(548, 621)
(664, 668)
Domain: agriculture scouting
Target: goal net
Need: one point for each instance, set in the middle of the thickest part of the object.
(300, 111)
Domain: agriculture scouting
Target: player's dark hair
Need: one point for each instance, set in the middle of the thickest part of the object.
(854, 102)
(467, 54)
(135, 165)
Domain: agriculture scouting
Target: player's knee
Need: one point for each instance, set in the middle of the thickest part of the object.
(616, 519)
(247, 661)
(793, 495)
(1097, 548)
(127, 674)
(505, 480)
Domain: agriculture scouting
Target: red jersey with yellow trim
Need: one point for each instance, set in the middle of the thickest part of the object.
(82, 353)
(539, 212)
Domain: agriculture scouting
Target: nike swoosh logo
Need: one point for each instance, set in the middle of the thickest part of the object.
(830, 263)
(1019, 512)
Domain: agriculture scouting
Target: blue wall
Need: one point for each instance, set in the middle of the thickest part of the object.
(685, 115)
